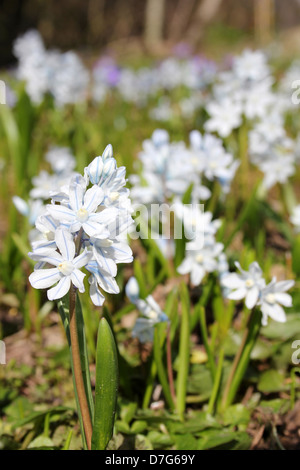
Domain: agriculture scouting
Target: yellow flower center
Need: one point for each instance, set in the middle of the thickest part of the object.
(249, 283)
(66, 268)
(270, 298)
(199, 258)
(82, 215)
(114, 195)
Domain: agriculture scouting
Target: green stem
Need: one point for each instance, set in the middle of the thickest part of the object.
(242, 358)
(169, 365)
(149, 385)
(184, 352)
(203, 328)
(82, 398)
(157, 351)
(217, 382)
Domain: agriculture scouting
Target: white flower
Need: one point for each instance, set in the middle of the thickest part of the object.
(132, 290)
(31, 209)
(251, 65)
(67, 267)
(61, 74)
(199, 262)
(61, 159)
(82, 211)
(277, 170)
(272, 297)
(295, 218)
(197, 224)
(151, 311)
(224, 117)
(246, 285)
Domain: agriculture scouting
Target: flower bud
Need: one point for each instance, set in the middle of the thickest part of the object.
(94, 170)
(108, 152)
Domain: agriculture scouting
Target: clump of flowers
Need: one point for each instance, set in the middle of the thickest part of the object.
(150, 311)
(61, 74)
(45, 185)
(84, 227)
(251, 286)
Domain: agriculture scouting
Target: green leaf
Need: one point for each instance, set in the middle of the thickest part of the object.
(140, 277)
(197, 423)
(271, 381)
(200, 381)
(287, 330)
(142, 443)
(128, 412)
(184, 351)
(158, 358)
(226, 439)
(185, 442)
(138, 427)
(296, 256)
(106, 387)
(160, 440)
(277, 405)
(39, 415)
(236, 414)
(40, 441)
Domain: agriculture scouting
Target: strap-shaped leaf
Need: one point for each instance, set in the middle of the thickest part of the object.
(106, 387)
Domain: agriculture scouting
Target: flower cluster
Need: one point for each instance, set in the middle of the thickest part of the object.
(203, 253)
(46, 185)
(149, 309)
(272, 150)
(243, 91)
(251, 286)
(138, 86)
(84, 227)
(60, 74)
(169, 168)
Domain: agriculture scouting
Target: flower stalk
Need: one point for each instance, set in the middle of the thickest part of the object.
(82, 398)
(242, 358)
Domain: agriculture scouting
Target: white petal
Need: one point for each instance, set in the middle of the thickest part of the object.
(277, 313)
(186, 266)
(61, 289)
(51, 257)
(132, 289)
(76, 193)
(96, 296)
(93, 198)
(107, 283)
(65, 244)
(232, 281)
(61, 213)
(92, 228)
(284, 299)
(237, 294)
(44, 278)
(282, 286)
(197, 274)
(104, 262)
(252, 297)
(77, 279)
(82, 259)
